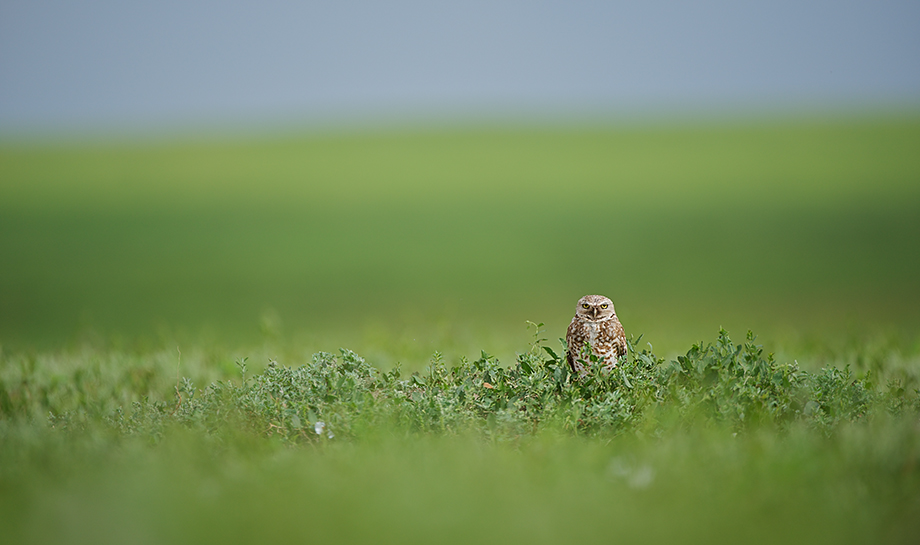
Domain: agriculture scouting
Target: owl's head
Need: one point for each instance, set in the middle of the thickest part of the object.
(595, 308)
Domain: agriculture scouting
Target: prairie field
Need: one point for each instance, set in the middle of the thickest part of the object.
(353, 336)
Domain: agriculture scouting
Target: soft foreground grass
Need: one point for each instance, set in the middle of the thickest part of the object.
(724, 445)
(699, 486)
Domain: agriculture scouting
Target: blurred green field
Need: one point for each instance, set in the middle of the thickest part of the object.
(399, 243)
(691, 489)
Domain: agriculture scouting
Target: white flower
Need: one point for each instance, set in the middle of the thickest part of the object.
(319, 427)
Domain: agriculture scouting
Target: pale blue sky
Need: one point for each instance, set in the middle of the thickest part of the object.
(188, 63)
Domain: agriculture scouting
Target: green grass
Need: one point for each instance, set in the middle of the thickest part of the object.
(453, 490)
(111, 448)
(402, 244)
(399, 244)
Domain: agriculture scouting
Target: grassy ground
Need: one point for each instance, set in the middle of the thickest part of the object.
(685, 490)
(403, 462)
(400, 244)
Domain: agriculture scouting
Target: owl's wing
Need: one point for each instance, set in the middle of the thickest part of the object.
(570, 349)
(621, 340)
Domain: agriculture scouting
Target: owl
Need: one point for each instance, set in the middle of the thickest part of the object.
(595, 323)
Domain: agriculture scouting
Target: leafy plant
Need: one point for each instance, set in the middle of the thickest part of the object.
(721, 384)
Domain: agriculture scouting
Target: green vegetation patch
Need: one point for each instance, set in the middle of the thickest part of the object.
(398, 244)
(721, 444)
(734, 386)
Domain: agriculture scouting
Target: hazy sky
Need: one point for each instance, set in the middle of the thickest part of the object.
(194, 62)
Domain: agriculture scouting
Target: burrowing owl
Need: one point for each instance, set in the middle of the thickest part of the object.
(595, 323)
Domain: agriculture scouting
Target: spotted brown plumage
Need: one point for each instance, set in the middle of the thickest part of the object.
(596, 325)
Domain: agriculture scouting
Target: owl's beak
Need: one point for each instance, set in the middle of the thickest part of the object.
(594, 312)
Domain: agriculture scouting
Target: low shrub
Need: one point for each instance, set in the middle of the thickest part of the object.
(723, 384)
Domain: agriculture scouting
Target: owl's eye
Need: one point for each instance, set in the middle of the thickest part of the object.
(585, 305)
(604, 305)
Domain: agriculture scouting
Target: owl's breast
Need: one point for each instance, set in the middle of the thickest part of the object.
(592, 330)
(600, 340)
(604, 341)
